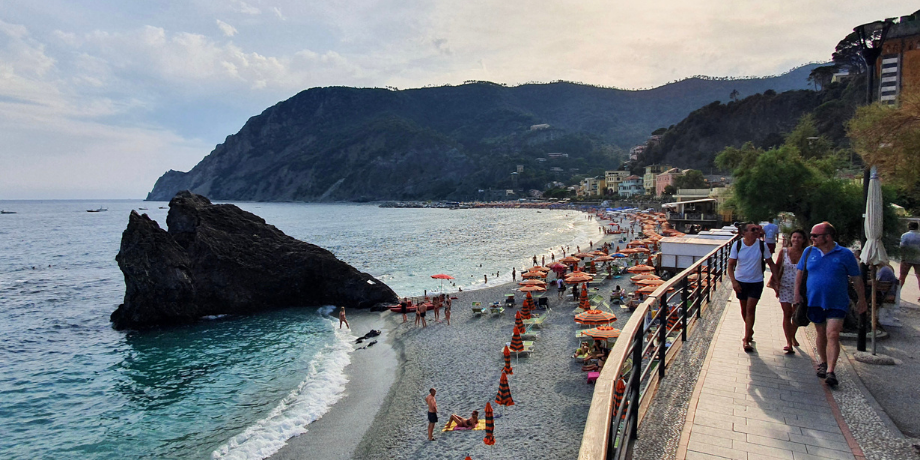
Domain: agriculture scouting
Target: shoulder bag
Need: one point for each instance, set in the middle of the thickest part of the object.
(800, 317)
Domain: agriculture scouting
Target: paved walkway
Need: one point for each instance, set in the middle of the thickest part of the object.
(764, 404)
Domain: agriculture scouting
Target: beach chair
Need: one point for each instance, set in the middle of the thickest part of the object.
(530, 335)
(496, 309)
(477, 308)
(543, 302)
(528, 349)
(535, 321)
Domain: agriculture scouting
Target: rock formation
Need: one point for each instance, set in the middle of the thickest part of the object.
(219, 259)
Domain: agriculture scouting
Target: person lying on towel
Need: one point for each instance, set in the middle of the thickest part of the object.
(466, 422)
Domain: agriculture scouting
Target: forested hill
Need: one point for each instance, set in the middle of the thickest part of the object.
(339, 143)
(763, 119)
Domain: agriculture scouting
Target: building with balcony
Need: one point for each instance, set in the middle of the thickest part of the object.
(613, 179)
(648, 180)
(631, 186)
(898, 65)
(665, 179)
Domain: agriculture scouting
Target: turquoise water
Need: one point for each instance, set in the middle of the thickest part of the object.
(228, 387)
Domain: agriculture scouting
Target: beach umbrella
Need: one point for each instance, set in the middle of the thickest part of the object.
(570, 260)
(642, 250)
(650, 282)
(582, 255)
(539, 268)
(529, 289)
(442, 277)
(489, 440)
(526, 308)
(618, 397)
(618, 255)
(640, 269)
(645, 276)
(578, 277)
(604, 259)
(534, 274)
(507, 354)
(649, 289)
(601, 332)
(532, 283)
(503, 397)
(595, 317)
(517, 345)
(873, 252)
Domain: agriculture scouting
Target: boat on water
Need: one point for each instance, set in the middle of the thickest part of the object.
(7, 212)
(162, 207)
(97, 210)
(141, 209)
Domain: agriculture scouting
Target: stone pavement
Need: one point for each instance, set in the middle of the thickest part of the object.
(763, 404)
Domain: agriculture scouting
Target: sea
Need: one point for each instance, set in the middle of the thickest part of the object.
(234, 387)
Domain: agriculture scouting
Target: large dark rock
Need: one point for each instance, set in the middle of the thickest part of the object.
(219, 259)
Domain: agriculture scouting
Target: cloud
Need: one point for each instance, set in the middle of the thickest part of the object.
(277, 12)
(245, 8)
(227, 29)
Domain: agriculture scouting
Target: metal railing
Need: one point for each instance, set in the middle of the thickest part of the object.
(639, 359)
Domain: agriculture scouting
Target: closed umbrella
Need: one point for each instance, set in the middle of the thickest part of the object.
(517, 345)
(489, 440)
(873, 252)
(507, 355)
(504, 393)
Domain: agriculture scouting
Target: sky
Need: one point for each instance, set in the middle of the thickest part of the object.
(98, 98)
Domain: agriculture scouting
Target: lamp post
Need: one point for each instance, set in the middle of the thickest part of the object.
(871, 37)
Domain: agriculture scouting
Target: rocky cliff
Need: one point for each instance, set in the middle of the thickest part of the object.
(219, 259)
(360, 144)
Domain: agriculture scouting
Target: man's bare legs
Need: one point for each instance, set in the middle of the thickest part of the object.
(748, 313)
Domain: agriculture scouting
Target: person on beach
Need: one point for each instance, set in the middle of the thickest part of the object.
(910, 252)
(560, 286)
(535, 260)
(447, 310)
(342, 318)
(770, 231)
(746, 265)
(466, 422)
(485, 279)
(432, 412)
(543, 260)
(513, 274)
(786, 260)
(437, 307)
(830, 267)
(404, 308)
(418, 314)
(423, 307)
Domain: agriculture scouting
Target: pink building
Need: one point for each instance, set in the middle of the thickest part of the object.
(665, 179)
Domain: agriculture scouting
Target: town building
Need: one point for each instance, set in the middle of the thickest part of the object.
(665, 179)
(631, 186)
(651, 172)
(613, 179)
(898, 66)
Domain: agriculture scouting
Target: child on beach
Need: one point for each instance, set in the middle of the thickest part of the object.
(342, 319)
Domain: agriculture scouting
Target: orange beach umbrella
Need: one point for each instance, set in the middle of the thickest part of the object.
(602, 332)
(507, 354)
(490, 426)
(504, 392)
(595, 317)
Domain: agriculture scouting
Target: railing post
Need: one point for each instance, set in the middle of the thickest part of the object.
(684, 285)
(634, 385)
(662, 336)
(708, 283)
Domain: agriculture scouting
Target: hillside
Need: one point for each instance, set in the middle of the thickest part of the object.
(353, 144)
(762, 119)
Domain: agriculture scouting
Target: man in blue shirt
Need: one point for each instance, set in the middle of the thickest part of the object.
(830, 268)
(770, 230)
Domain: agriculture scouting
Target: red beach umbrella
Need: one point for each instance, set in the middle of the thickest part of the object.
(504, 393)
(532, 288)
(517, 345)
(640, 269)
(532, 283)
(507, 369)
(595, 317)
(519, 322)
(650, 282)
(536, 274)
(490, 426)
(602, 332)
(442, 277)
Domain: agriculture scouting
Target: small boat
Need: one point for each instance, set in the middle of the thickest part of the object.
(141, 209)
(7, 212)
(97, 210)
(162, 207)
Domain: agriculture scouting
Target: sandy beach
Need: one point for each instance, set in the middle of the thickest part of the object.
(383, 414)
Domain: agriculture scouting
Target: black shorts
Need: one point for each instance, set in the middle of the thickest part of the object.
(432, 417)
(750, 290)
(819, 315)
(423, 314)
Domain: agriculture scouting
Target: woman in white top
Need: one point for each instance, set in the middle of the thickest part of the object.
(786, 260)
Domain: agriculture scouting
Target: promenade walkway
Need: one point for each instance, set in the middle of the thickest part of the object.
(764, 404)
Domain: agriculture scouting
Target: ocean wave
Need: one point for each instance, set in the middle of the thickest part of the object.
(322, 387)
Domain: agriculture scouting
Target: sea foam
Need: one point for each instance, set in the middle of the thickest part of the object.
(322, 387)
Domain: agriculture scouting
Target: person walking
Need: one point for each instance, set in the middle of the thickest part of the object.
(432, 412)
(910, 252)
(786, 260)
(342, 319)
(830, 267)
(747, 261)
(770, 231)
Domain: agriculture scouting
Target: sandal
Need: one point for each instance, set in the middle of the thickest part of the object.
(746, 345)
(788, 350)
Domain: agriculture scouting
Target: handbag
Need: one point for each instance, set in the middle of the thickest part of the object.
(800, 317)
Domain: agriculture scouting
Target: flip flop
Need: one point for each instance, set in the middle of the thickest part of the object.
(746, 345)
(788, 350)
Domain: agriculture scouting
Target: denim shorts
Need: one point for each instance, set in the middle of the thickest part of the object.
(819, 315)
(750, 290)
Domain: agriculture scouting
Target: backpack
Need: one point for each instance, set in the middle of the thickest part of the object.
(763, 261)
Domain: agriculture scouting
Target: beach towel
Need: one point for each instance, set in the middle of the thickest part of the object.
(451, 426)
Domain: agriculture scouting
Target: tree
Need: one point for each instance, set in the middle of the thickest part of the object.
(734, 95)
(889, 137)
(693, 178)
(822, 76)
(669, 190)
(806, 138)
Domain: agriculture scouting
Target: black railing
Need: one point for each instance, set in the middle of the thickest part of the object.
(640, 357)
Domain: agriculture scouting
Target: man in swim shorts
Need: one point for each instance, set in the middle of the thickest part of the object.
(432, 412)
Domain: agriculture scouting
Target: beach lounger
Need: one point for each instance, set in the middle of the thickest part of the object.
(496, 310)
(535, 321)
(477, 308)
(530, 335)
(528, 348)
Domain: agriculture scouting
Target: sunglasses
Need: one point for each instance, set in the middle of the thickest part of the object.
(815, 235)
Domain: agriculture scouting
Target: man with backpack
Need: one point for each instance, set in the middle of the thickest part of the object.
(747, 262)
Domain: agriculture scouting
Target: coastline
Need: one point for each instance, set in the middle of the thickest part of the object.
(371, 373)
